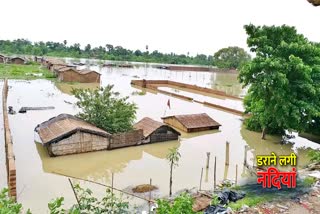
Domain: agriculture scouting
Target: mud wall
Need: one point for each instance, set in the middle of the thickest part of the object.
(151, 84)
(79, 142)
(131, 138)
(72, 76)
(10, 159)
(154, 84)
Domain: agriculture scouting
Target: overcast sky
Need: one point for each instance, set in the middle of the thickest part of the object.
(181, 26)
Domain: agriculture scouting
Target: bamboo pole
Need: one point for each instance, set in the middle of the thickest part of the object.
(150, 196)
(112, 182)
(208, 160)
(74, 192)
(227, 152)
(245, 154)
(206, 176)
(236, 183)
(215, 174)
(201, 179)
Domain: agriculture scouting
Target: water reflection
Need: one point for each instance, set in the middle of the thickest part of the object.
(98, 166)
(67, 87)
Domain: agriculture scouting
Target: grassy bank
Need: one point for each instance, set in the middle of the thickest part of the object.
(33, 71)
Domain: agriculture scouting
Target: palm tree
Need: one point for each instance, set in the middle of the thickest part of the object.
(173, 158)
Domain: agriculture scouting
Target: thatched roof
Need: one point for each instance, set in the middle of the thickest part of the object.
(55, 61)
(66, 68)
(13, 58)
(191, 121)
(64, 125)
(87, 71)
(149, 125)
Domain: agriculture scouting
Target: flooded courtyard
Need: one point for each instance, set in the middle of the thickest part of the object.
(39, 177)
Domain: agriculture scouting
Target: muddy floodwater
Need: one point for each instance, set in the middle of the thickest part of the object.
(39, 177)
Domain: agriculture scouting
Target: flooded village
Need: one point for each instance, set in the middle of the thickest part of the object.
(206, 131)
(161, 107)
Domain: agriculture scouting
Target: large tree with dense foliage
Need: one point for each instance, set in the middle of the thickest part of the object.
(283, 80)
(231, 57)
(104, 108)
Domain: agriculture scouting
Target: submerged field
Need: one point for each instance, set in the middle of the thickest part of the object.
(39, 176)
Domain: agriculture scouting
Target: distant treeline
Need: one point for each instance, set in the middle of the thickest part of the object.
(107, 52)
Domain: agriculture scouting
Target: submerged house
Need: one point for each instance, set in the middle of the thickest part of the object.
(154, 131)
(49, 63)
(67, 134)
(82, 76)
(17, 60)
(192, 122)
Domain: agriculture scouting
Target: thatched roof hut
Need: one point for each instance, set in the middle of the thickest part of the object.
(154, 131)
(17, 60)
(192, 122)
(82, 76)
(67, 134)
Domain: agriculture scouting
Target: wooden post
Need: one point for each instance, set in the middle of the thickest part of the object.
(236, 182)
(112, 182)
(227, 152)
(150, 196)
(201, 179)
(208, 160)
(74, 192)
(245, 154)
(215, 174)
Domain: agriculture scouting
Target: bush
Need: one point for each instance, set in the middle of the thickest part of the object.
(314, 155)
(7, 205)
(181, 205)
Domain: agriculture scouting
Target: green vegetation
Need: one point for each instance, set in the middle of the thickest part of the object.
(215, 200)
(106, 52)
(106, 109)
(251, 200)
(89, 204)
(231, 57)
(7, 205)
(173, 157)
(32, 71)
(284, 80)
(182, 204)
(140, 93)
(314, 155)
(309, 181)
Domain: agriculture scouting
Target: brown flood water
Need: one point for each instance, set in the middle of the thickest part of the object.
(38, 175)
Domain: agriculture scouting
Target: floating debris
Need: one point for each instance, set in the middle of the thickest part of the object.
(25, 109)
(10, 110)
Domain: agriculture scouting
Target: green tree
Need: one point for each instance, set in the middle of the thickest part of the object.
(231, 57)
(284, 76)
(173, 157)
(106, 109)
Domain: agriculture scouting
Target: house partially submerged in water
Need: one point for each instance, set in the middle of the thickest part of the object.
(192, 122)
(67, 134)
(154, 131)
(68, 74)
